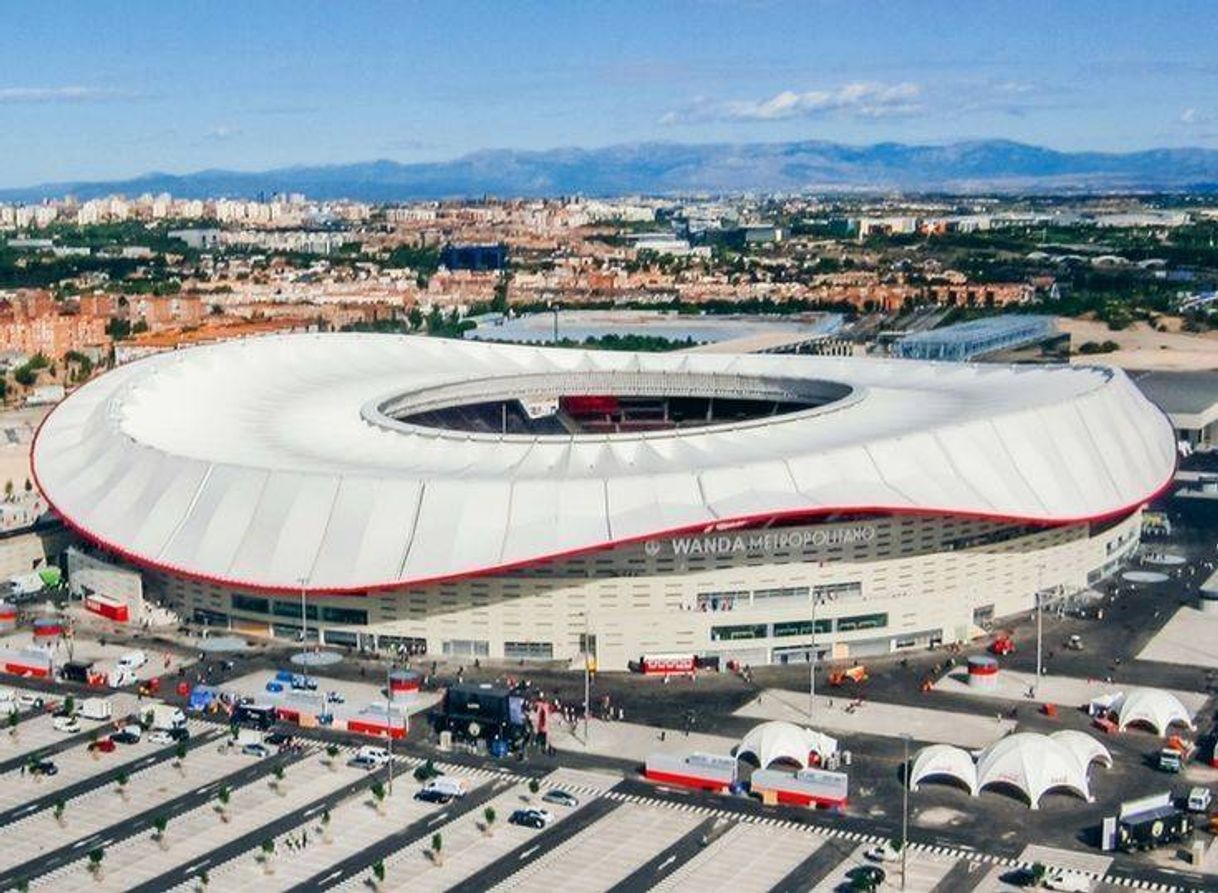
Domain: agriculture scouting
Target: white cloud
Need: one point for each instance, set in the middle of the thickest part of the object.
(863, 99)
(221, 133)
(60, 94)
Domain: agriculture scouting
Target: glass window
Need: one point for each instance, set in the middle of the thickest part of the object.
(735, 633)
(802, 628)
(251, 604)
(861, 621)
(466, 648)
(528, 650)
(349, 616)
(292, 609)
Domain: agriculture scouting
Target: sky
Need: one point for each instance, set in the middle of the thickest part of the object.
(102, 90)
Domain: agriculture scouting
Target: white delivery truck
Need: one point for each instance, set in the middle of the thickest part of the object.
(165, 716)
(96, 709)
(8, 702)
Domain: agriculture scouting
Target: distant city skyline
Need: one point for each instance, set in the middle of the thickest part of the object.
(96, 91)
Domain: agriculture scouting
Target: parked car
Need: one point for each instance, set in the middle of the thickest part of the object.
(103, 745)
(562, 798)
(126, 736)
(29, 700)
(866, 877)
(531, 818)
(1020, 877)
(278, 739)
(883, 852)
(43, 767)
(334, 697)
(1067, 881)
(432, 795)
(67, 724)
(256, 750)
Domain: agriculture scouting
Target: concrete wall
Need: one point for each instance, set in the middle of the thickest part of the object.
(931, 578)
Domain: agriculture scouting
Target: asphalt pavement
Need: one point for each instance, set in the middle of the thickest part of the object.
(101, 779)
(387, 846)
(540, 845)
(140, 822)
(67, 742)
(182, 874)
(672, 857)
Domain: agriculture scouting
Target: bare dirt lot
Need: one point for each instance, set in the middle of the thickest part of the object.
(1142, 347)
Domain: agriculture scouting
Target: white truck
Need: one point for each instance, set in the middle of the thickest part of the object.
(165, 716)
(8, 702)
(96, 709)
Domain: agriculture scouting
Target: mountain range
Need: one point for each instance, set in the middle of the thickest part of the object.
(673, 168)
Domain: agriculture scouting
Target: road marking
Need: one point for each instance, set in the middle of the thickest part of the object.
(190, 869)
(671, 859)
(442, 815)
(84, 842)
(530, 851)
(314, 811)
(331, 876)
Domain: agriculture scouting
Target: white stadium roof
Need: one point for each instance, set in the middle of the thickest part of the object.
(265, 462)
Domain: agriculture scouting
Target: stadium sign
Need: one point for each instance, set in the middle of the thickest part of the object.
(769, 541)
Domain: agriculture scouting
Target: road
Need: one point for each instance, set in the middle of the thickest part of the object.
(100, 779)
(669, 859)
(535, 848)
(67, 742)
(182, 874)
(811, 871)
(387, 846)
(141, 822)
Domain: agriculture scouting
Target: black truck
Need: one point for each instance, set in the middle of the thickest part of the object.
(1152, 828)
(481, 711)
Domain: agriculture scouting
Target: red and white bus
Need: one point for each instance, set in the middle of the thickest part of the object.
(666, 664)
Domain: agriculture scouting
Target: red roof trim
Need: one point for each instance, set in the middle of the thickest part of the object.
(737, 521)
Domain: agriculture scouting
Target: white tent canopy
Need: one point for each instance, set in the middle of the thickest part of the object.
(1154, 707)
(943, 760)
(776, 740)
(1083, 746)
(1033, 764)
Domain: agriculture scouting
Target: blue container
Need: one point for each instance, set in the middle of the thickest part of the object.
(273, 686)
(284, 676)
(499, 748)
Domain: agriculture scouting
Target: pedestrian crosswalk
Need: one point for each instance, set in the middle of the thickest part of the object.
(595, 786)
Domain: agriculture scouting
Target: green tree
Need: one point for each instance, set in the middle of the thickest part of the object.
(378, 872)
(378, 795)
(95, 861)
(121, 778)
(489, 815)
(437, 848)
(159, 824)
(58, 810)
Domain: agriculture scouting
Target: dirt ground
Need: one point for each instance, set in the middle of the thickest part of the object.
(1142, 347)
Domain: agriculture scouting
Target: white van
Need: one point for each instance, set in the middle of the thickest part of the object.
(447, 785)
(1199, 800)
(373, 754)
(133, 660)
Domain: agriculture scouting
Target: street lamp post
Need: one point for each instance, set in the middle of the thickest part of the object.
(587, 666)
(905, 811)
(389, 722)
(304, 617)
(812, 667)
(1040, 588)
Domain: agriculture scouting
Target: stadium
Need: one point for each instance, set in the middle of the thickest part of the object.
(493, 501)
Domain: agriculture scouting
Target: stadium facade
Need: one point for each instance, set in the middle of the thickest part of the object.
(505, 502)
